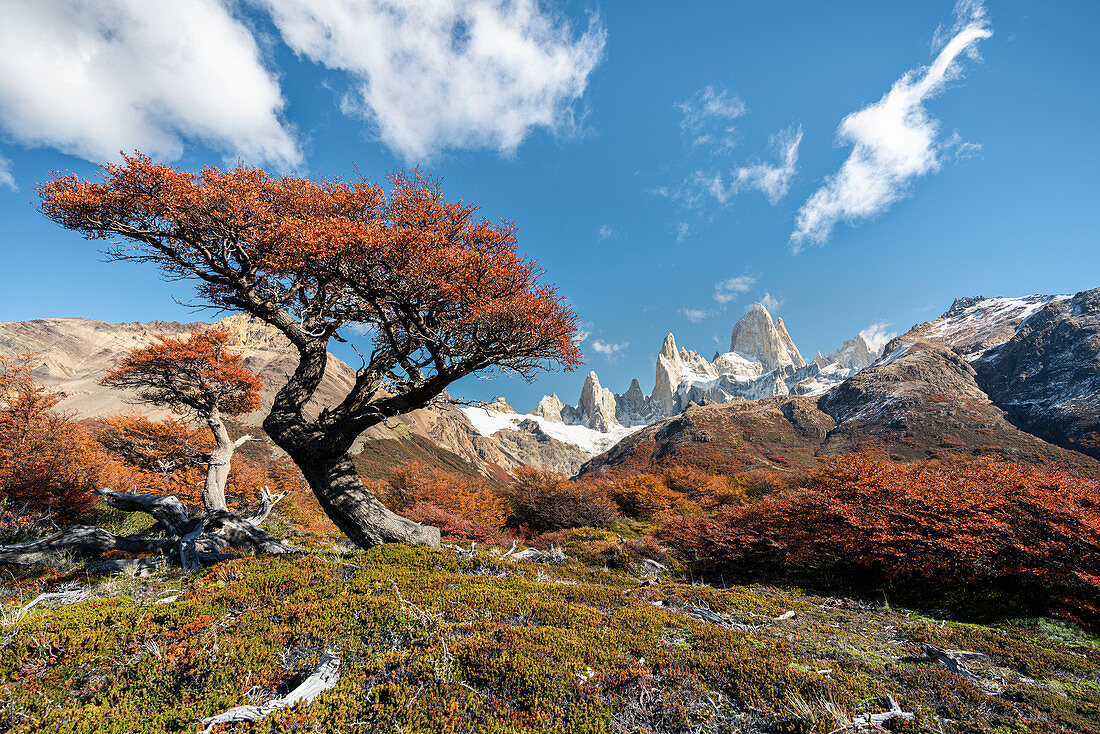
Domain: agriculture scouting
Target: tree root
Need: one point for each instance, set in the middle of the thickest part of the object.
(187, 541)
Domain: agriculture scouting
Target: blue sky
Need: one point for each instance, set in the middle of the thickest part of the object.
(667, 164)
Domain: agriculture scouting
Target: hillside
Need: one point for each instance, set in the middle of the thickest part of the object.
(447, 641)
(75, 353)
(925, 398)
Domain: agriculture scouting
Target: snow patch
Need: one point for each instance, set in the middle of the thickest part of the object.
(592, 442)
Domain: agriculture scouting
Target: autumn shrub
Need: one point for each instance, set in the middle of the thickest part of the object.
(543, 500)
(689, 481)
(1021, 536)
(463, 496)
(48, 462)
(712, 491)
(647, 497)
(153, 456)
(455, 528)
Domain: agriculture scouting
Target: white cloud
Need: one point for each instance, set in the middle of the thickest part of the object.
(708, 117)
(608, 350)
(877, 335)
(605, 233)
(895, 140)
(695, 315)
(772, 179)
(433, 75)
(683, 229)
(6, 179)
(771, 303)
(960, 149)
(729, 289)
(94, 78)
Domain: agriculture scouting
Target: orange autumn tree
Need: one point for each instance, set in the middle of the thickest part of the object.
(194, 374)
(443, 295)
(48, 463)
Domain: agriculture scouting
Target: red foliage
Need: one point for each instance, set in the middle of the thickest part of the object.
(1019, 530)
(332, 253)
(455, 527)
(543, 500)
(197, 372)
(647, 497)
(418, 483)
(48, 462)
(158, 457)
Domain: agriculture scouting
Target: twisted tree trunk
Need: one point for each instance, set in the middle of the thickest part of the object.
(320, 449)
(357, 512)
(218, 463)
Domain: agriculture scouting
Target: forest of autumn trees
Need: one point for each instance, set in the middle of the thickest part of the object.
(443, 294)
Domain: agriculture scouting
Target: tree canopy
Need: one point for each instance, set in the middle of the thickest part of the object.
(196, 372)
(441, 293)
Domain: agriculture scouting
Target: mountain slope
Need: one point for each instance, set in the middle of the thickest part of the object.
(1047, 376)
(922, 400)
(73, 354)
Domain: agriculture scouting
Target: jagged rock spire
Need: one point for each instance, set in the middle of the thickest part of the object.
(757, 337)
(669, 367)
(597, 404)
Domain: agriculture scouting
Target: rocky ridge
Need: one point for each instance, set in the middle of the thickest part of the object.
(1014, 378)
(762, 362)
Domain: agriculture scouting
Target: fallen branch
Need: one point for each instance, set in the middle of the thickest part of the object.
(877, 720)
(62, 598)
(78, 539)
(320, 680)
(168, 510)
(135, 566)
(553, 556)
(187, 541)
(953, 661)
(267, 503)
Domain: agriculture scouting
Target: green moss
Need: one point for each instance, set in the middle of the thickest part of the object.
(433, 642)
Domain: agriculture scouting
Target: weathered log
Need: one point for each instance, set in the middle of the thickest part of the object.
(193, 541)
(80, 540)
(320, 680)
(168, 510)
(61, 598)
(877, 720)
(136, 566)
(225, 530)
(189, 554)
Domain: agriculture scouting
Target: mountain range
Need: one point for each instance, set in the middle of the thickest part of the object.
(1013, 377)
(762, 361)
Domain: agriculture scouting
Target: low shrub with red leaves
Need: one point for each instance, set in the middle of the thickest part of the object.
(543, 501)
(459, 495)
(1024, 534)
(455, 528)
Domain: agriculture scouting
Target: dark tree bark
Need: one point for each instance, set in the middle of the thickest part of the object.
(356, 511)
